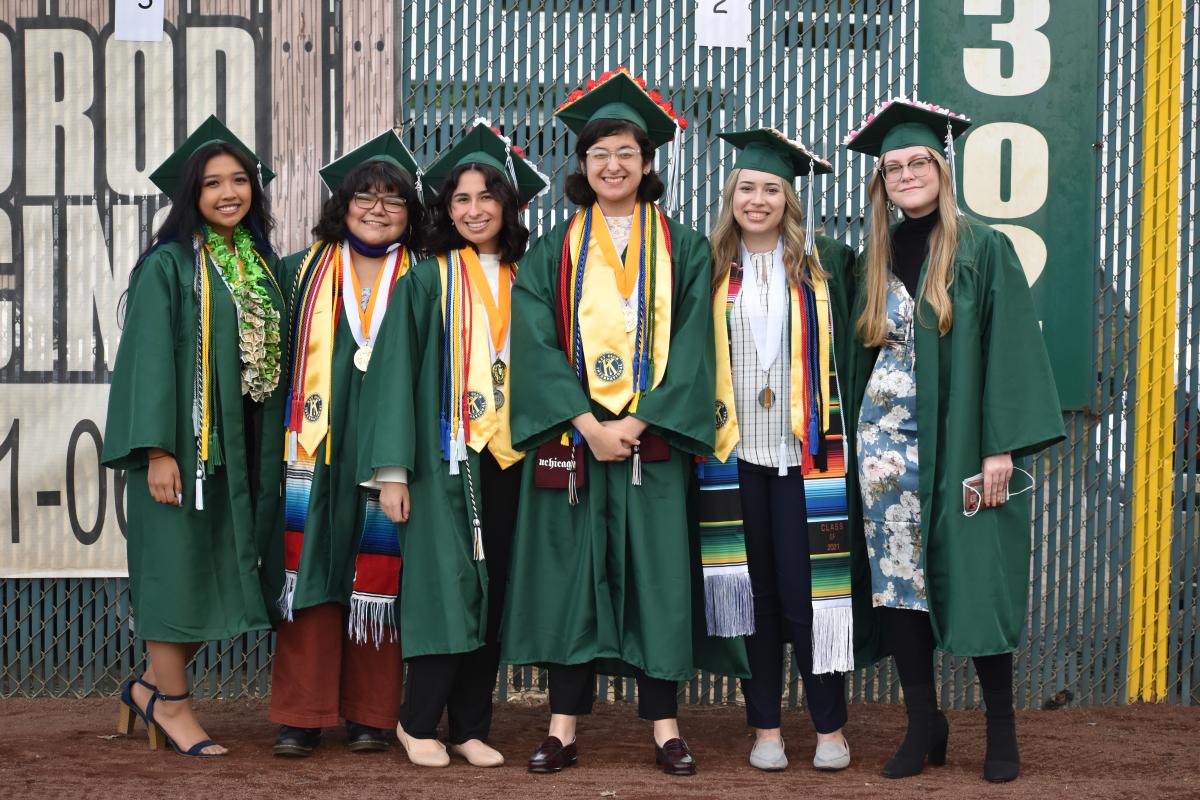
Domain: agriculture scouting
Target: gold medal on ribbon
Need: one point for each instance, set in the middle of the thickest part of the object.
(362, 357)
(499, 372)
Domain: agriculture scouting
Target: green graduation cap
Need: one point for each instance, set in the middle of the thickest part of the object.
(768, 150)
(212, 130)
(900, 123)
(483, 145)
(386, 147)
(618, 95)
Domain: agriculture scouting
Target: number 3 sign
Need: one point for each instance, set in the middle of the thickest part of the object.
(1026, 72)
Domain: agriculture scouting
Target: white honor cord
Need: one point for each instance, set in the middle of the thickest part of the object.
(810, 227)
(350, 301)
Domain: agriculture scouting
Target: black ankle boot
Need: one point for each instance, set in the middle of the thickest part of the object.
(927, 736)
(1002, 762)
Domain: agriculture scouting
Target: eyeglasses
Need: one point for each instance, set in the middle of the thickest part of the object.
(366, 201)
(918, 168)
(626, 155)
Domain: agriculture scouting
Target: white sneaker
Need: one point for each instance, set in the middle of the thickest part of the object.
(768, 755)
(832, 756)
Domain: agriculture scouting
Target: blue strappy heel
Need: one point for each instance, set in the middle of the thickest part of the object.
(159, 737)
(129, 711)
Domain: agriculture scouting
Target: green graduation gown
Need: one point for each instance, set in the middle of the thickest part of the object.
(984, 388)
(336, 502)
(206, 575)
(615, 579)
(443, 595)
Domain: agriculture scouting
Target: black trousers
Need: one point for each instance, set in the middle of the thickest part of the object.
(462, 683)
(573, 690)
(774, 516)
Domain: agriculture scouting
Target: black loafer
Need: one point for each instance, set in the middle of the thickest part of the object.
(675, 758)
(365, 739)
(553, 756)
(296, 742)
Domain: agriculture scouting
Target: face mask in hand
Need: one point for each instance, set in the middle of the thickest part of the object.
(973, 492)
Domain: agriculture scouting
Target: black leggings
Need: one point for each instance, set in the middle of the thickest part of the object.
(910, 638)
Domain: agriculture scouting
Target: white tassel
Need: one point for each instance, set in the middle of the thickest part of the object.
(728, 602)
(293, 452)
(370, 614)
(458, 452)
(783, 454)
(477, 535)
(636, 478)
(572, 490)
(508, 163)
(953, 171)
(810, 227)
(200, 492)
(833, 639)
(675, 171)
(420, 176)
(287, 595)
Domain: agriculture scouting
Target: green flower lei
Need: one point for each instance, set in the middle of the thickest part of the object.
(258, 319)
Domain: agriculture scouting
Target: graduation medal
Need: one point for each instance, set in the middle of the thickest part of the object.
(499, 372)
(766, 397)
(630, 316)
(362, 357)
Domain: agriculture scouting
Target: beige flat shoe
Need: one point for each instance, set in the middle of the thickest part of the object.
(423, 752)
(478, 753)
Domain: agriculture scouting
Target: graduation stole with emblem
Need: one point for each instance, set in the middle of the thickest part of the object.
(815, 419)
(317, 308)
(614, 324)
(474, 410)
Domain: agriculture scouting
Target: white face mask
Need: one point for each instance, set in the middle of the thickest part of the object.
(973, 496)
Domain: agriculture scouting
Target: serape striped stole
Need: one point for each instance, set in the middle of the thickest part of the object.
(824, 470)
(377, 562)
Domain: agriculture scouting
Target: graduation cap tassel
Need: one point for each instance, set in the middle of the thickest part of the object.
(636, 478)
(675, 170)
(258, 169)
(953, 171)
(810, 227)
(508, 164)
(420, 175)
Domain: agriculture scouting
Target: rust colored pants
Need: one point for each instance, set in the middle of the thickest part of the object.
(320, 677)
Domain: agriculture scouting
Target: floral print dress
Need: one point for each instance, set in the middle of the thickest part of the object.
(887, 458)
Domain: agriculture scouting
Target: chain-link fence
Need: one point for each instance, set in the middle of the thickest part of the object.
(813, 69)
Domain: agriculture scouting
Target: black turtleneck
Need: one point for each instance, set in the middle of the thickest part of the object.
(910, 246)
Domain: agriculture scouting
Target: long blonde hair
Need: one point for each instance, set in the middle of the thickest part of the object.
(726, 238)
(943, 241)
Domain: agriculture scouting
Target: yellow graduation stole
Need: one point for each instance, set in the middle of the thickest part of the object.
(798, 339)
(614, 357)
(317, 311)
(485, 404)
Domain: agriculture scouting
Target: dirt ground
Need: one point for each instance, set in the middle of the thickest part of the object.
(65, 748)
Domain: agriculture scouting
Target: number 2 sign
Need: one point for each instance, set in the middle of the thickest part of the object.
(723, 23)
(1026, 72)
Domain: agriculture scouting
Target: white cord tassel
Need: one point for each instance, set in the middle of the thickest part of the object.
(293, 447)
(476, 525)
(572, 488)
(675, 171)
(783, 454)
(508, 163)
(810, 227)
(636, 478)
(458, 451)
(419, 176)
(953, 171)
(200, 489)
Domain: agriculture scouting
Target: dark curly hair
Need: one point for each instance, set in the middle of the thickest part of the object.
(373, 176)
(443, 236)
(581, 193)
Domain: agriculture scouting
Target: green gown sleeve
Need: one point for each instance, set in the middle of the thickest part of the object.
(839, 261)
(546, 394)
(387, 409)
(141, 401)
(681, 407)
(1021, 411)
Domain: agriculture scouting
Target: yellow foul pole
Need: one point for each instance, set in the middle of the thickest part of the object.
(1153, 473)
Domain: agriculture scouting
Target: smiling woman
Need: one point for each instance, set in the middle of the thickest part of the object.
(194, 417)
